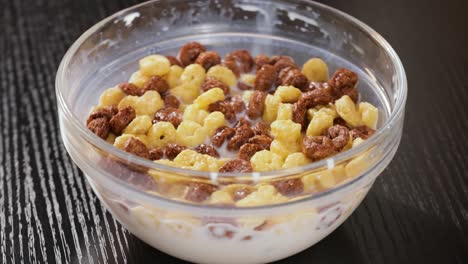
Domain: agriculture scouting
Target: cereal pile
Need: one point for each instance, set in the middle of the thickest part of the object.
(237, 114)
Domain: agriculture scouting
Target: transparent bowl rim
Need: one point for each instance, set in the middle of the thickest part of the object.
(401, 83)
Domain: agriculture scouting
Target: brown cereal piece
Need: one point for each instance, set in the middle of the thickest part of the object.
(340, 121)
(171, 101)
(344, 82)
(232, 65)
(242, 135)
(198, 192)
(207, 149)
(292, 76)
(261, 60)
(173, 60)
(156, 83)
(237, 103)
(208, 59)
(363, 132)
(316, 97)
(189, 52)
(263, 141)
(168, 114)
(225, 108)
(172, 150)
(283, 62)
(221, 134)
(106, 112)
(120, 120)
(262, 128)
(256, 104)
(276, 58)
(243, 86)
(211, 82)
(318, 147)
(240, 193)
(99, 126)
(236, 165)
(339, 136)
(241, 122)
(131, 89)
(247, 150)
(135, 146)
(242, 58)
(299, 114)
(156, 154)
(265, 78)
(289, 187)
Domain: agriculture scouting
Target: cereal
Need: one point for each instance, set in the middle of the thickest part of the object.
(242, 135)
(189, 52)
(213, 121)
(211, 82)
(288, 94)
(99, 126)
(292, 76)
(363, 132)
(344, 82)
(174, 61)
(138, 79)
(285, 112)
(347, 110)
(199, 112)
(285, 130)
(194, 113)
(266, 160)
(211, 96)
(173, 76)
(247, 150)
(289, 187)
(261, 128)
(198, 192)
(139, 125)
(207, 149)
(265, 78)
(261, 60)
(243, 60)
(161, 134)
(295, 160)
(316, 70)
(225, 108)
(369, 114)
(270, 110)
(190, 133)
(106, 112)
(154, 65)
(236, 165)
(156, 154)
(172, 150)
(170, 101)
(318, 147)
(156, 83)
(223, 74)
(262, 140)
(339, 135)
(111, 96)
(135, 146)
(168, 114)
(208, 59)
(221, 134)
(256, 104)
(120, 120)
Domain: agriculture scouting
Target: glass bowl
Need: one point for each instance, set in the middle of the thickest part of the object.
(147, 206)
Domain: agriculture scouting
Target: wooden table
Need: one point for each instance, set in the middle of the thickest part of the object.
(417, 212)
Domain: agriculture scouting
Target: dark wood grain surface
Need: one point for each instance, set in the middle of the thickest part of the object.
(417, 211)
